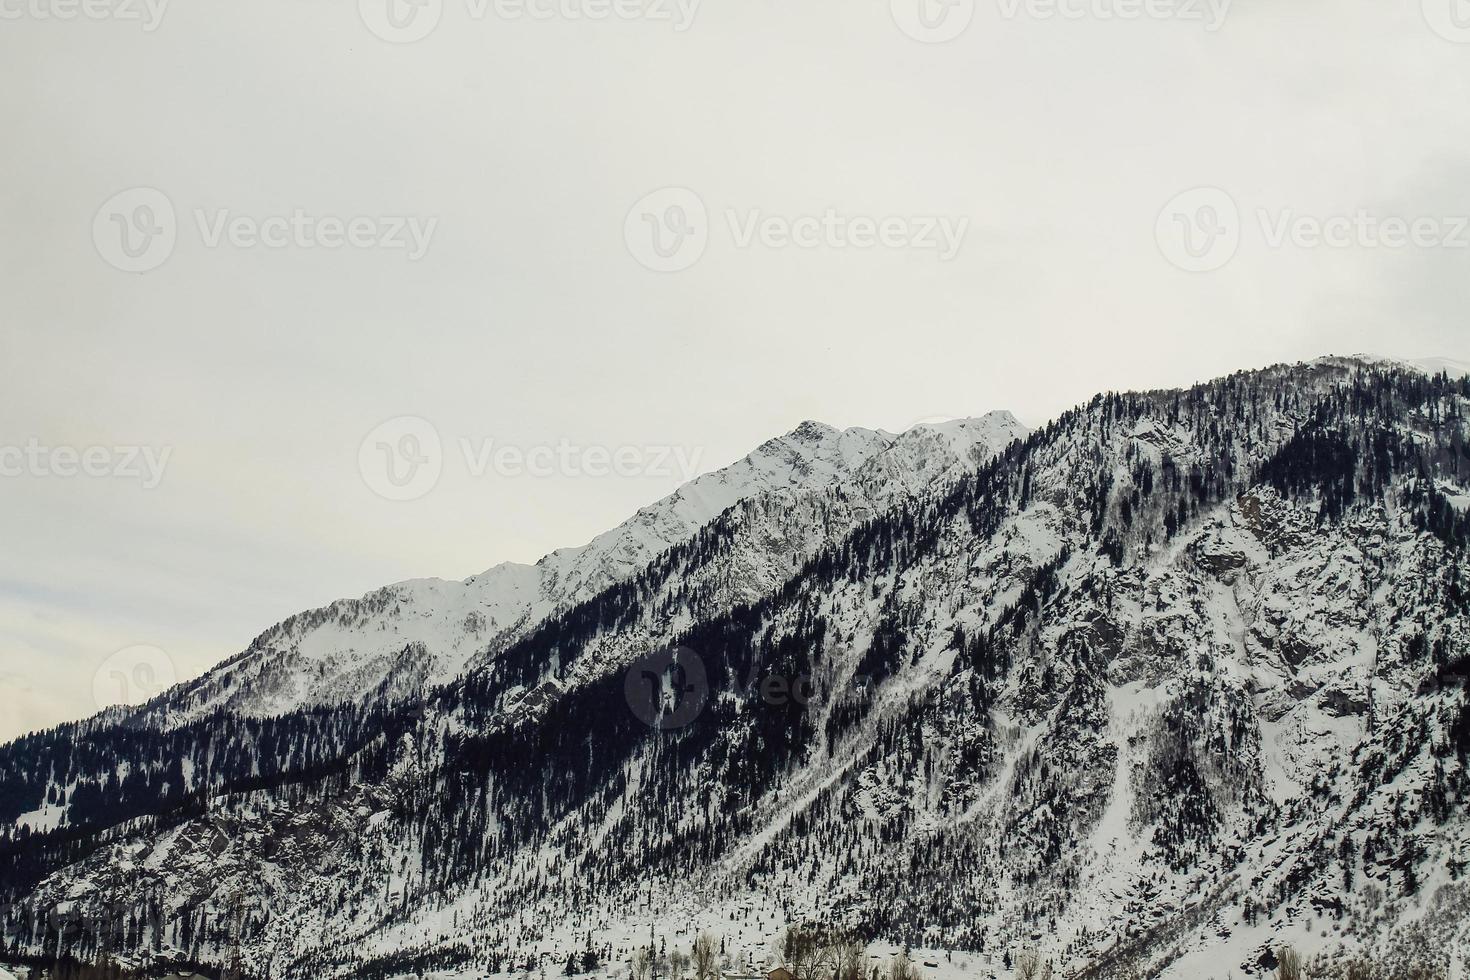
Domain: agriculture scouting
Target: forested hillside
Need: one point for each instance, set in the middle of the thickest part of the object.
(1175, 679)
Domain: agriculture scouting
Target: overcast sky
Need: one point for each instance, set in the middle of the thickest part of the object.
(241, 237)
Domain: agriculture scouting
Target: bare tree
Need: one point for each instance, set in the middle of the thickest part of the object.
(808, 951)
(642, 963)
(705, 960)
(1028, 965)
(900, 968)
(849, 959)
(678, 964)
(1289, 965)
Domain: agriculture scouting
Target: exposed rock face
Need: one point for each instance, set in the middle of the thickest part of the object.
(1176, 679)
(801, 490)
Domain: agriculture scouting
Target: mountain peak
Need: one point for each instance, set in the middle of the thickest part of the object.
(811, 430)
(355, 647)
(1162, 726)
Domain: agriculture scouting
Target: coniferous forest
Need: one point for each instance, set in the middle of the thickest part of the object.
(1177, 680)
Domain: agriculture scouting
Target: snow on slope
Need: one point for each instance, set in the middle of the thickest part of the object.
(1183, 740)
(1441, 365)
(1429, 365)
(426, 631)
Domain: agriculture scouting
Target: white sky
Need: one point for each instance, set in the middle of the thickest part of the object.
(529, 321)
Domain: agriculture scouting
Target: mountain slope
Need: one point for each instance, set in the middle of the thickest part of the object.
(412, 635)
(1177, 678)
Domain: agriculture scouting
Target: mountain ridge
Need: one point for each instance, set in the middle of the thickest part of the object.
(1175, 679)
(446, 624)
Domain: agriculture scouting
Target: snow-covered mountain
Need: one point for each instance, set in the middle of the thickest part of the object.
(407, 637)
(1429, 365)
(1177, 679)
